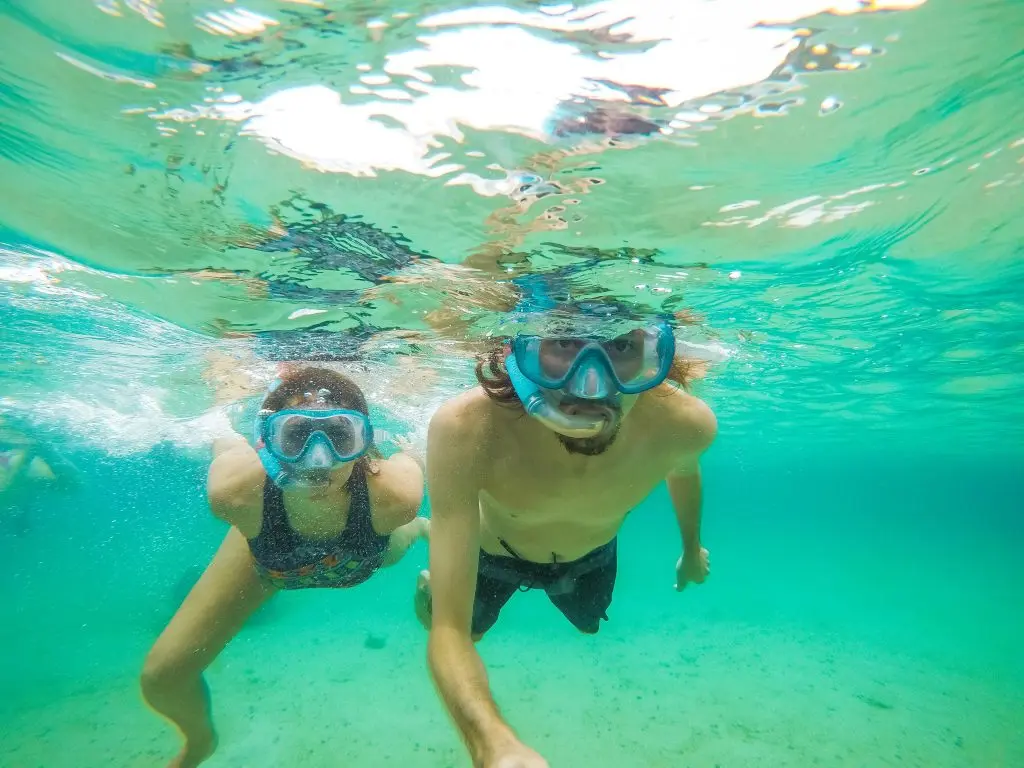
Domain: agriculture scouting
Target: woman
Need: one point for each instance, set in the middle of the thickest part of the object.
(311, 504)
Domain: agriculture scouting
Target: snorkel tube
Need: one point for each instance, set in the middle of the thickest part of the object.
(538, 406)
(271, 464)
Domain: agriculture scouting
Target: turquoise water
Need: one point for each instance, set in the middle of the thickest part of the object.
(831, 190)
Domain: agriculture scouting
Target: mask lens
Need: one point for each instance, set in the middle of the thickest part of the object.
(556, 356)
(341, 431)
(291, 433)
(637, 360)
(626, 355)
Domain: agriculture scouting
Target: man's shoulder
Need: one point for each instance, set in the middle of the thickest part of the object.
(681, 416)
(470, 411)
(465, 427)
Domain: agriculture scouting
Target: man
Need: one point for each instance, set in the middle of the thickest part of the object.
(531, 475)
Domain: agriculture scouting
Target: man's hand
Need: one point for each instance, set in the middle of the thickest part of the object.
(515, 754)
(693, 568)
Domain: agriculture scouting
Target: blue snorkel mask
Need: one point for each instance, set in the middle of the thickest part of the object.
(300, 446)
(593, 368)
(546, 368)
(572, 356)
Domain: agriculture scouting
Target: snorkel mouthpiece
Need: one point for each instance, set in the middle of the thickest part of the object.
(540, 408)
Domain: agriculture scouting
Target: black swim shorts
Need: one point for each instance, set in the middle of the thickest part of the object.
(580, 589)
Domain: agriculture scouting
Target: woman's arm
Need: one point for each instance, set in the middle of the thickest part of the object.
(234, 487)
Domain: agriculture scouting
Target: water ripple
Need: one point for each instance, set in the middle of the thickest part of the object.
(825, 194)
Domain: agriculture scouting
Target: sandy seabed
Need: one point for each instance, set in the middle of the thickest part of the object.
(659, 686)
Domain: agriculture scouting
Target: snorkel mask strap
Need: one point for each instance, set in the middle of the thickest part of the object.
(271, 464)
(538, 406)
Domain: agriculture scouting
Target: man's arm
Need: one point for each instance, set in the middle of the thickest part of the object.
(684, 487)
(454, 551)
(694, 430)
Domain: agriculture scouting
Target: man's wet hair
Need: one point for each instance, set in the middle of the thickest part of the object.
(493, 376)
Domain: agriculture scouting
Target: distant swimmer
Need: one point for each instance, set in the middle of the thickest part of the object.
(27, 469)
(531, 475)
(312, 504)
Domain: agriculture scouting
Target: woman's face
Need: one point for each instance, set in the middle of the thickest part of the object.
(319, 481)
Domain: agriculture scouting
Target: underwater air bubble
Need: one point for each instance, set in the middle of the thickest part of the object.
(829, 105)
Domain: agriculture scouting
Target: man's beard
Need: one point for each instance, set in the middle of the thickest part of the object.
(589, 446)
(598, 444)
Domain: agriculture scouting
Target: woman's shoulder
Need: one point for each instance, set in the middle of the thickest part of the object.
(396, 489)
(234, 485)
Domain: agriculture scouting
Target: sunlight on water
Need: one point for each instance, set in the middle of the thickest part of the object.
(790, 174)
(824, 194)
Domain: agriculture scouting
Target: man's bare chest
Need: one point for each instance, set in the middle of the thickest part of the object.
(541, 486)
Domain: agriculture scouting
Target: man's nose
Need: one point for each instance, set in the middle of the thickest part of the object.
(589, 383)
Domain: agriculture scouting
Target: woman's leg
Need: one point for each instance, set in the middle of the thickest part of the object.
(226, 595)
